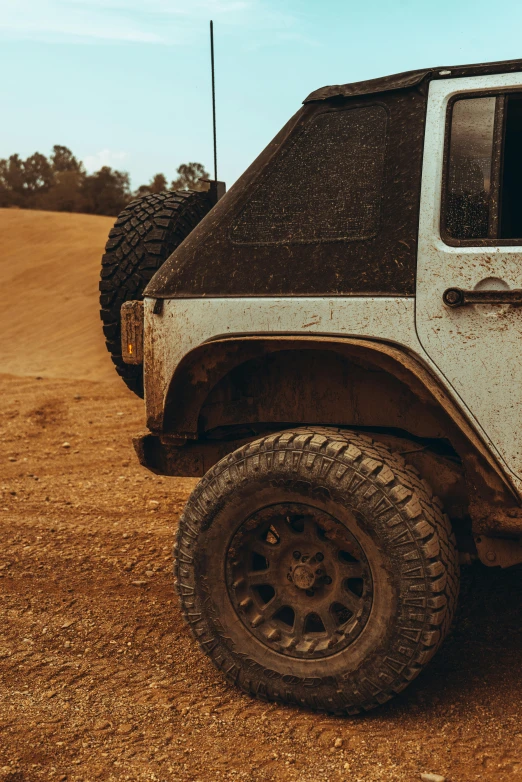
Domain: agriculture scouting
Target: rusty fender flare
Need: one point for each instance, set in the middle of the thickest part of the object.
(205, 365)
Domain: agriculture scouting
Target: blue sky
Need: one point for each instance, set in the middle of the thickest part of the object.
(126, 82)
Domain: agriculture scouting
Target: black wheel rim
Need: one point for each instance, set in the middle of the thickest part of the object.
(299, 580)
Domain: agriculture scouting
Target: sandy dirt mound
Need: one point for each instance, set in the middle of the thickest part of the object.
(49, 317)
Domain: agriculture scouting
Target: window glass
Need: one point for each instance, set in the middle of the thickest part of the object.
(325, 186)
(511, 190)
(469, 177)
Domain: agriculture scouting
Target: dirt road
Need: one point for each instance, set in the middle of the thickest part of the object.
(99, 678)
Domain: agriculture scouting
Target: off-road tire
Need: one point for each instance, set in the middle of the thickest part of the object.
(147, 231)
(345, 474)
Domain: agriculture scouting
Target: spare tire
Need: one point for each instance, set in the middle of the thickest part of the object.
(147, 231)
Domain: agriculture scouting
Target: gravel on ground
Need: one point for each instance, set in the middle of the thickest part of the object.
(100, 679)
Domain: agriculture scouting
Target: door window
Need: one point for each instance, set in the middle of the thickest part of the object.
(511, 190)
(482, 193)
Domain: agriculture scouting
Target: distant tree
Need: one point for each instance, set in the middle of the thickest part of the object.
(67, 193)
(62, 159)
(38, 174)
(189, 176)
(60, 183)
(106, 192)
(12, 181)
(142, 190)
(158, 184)
(23, 182)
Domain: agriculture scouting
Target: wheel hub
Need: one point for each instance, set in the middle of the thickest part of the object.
(299, 580)
(304, 577)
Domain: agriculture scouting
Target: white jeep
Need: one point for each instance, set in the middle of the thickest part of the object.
(333, 346)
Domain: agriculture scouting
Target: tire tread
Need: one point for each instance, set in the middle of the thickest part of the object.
(146, 232)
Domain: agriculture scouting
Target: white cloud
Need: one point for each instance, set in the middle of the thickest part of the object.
(145, 21)
(105, 157)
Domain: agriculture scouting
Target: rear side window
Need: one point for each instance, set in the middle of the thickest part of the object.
(326, 186)
(482, 193)
(511, 180)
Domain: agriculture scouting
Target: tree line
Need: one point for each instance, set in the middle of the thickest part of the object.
(60, 183)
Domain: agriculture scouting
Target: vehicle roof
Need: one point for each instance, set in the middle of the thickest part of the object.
(400, 81)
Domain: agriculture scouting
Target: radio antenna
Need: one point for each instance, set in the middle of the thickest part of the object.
(213, 96)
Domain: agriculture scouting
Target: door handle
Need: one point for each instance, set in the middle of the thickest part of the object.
(458, 297)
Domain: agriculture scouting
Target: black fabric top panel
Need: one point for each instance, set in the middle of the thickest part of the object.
(329, 208)
(327, 186)
(399, 81)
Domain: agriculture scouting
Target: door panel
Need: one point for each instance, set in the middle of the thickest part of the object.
(476, 347)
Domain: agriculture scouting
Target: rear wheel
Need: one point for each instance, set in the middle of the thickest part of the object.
(314, 567)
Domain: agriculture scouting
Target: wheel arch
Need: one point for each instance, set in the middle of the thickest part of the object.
(200, 380)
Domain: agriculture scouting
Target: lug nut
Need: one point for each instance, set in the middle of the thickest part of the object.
(319, 557)
(328, 580)
(318, 572)
(305, 558)
(297, 555)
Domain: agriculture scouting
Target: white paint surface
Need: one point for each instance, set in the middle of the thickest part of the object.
(476, 348)
(186, 323)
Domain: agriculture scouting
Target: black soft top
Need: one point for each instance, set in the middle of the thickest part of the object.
(329, 208)
(399, 81)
